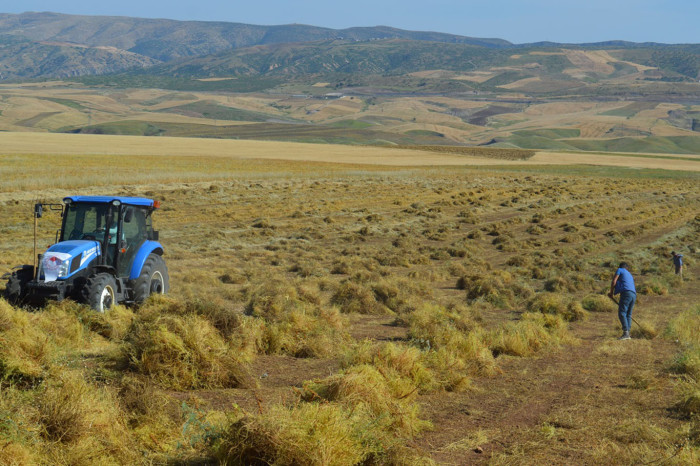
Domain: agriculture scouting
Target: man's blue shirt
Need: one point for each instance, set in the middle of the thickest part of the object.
(678, 259)
(625, 282)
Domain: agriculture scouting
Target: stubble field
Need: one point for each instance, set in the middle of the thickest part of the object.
(330, 313)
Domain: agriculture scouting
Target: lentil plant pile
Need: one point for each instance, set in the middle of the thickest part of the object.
(371, 316)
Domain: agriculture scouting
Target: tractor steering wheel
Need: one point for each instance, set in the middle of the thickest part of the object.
(92, 236)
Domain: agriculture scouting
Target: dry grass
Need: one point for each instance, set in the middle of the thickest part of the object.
(183, 352)
(558, 304)
(294, 321)
(356, 297)
(598, 303)
(389, 286)
(457, 342)
(310, 433)
(25, 350)
(685, 327)
(533, 333)
(389, 400)
(69, 408)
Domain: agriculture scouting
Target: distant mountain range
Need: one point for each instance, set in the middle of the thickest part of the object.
(403, 56)
(52, 45)
(34, 45)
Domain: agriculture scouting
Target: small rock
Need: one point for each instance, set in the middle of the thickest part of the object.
(478, 450)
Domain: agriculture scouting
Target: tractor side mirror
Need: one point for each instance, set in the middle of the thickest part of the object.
(154, 235)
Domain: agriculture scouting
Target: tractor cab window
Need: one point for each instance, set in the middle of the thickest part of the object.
(135, 228)
(135, 225)
(88, 222)
(84, 221)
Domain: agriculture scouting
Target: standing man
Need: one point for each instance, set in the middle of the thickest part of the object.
(623, 284)
(678, 262)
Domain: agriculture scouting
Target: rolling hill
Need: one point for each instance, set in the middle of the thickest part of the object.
(369, 86)
(390, 67)
(46, 45)
(51, 41)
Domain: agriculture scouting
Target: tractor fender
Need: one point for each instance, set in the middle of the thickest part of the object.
(146, 248)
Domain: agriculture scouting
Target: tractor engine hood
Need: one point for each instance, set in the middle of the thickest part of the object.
(64, 259)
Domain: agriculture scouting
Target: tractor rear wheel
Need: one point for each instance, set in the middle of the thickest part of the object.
(154, 278)
(100, 292)
(16, 286)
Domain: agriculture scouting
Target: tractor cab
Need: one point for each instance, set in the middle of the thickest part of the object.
(107, 253)
(120, 227)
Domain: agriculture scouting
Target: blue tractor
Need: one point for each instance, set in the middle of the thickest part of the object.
(106, 253)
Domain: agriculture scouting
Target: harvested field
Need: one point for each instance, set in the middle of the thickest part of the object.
(521, 84)
(374, 305)
(482, 152)
(680, 162)
(594, 61)
(38, 143)
(631, 110)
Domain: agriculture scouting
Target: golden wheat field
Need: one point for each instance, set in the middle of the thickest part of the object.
(336, 305)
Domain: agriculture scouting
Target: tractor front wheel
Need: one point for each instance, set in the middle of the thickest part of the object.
(16, 286)
(100, 292)
(154, 279)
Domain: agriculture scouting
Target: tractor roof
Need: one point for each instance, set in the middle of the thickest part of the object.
(135, 201)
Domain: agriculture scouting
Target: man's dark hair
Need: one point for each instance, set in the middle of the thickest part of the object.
(623, 265)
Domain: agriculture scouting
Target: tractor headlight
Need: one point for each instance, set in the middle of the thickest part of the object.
(55, 265)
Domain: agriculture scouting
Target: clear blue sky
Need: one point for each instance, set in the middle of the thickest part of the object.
(519, 21)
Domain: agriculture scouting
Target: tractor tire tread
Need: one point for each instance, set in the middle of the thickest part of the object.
(142, 285)
(91, 293)
(15, 287)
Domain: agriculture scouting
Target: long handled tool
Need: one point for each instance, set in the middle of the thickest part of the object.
(646, 330)
(633, 319)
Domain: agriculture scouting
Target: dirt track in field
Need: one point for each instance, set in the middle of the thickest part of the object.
(550, 403)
